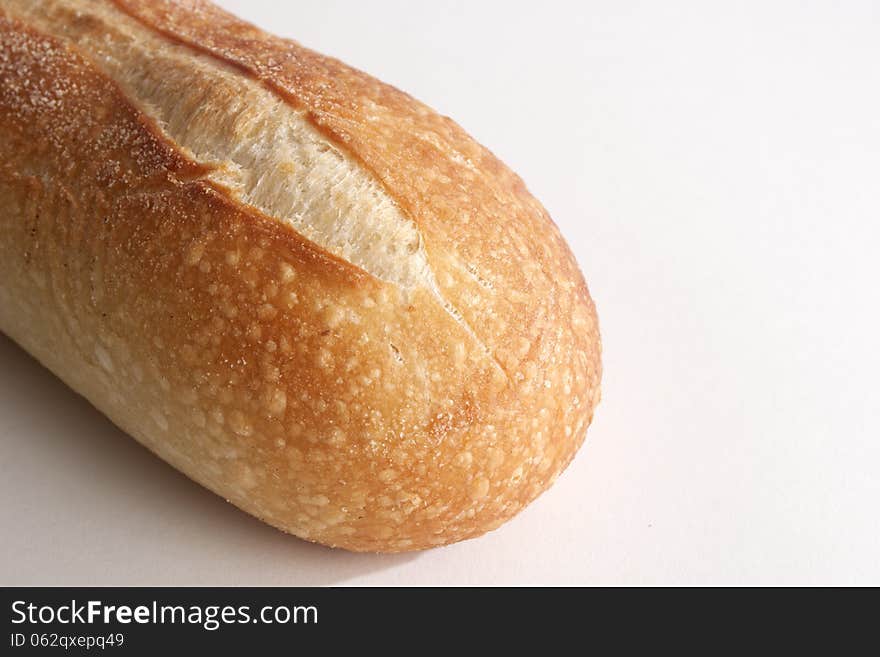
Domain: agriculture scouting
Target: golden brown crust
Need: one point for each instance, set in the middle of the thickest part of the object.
(302, 389)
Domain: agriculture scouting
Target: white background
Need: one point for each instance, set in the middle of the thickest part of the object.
(716, 169)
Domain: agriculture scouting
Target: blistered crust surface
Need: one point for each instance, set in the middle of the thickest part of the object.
(315, 397)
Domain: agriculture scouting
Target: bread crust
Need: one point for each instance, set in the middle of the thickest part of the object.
(329, 403)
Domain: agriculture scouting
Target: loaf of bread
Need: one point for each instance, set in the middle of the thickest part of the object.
(299, 286)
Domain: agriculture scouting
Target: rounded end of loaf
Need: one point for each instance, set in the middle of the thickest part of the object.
(463, 467)
(468, 426)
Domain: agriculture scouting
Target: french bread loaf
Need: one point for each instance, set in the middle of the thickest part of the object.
(299, 286)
